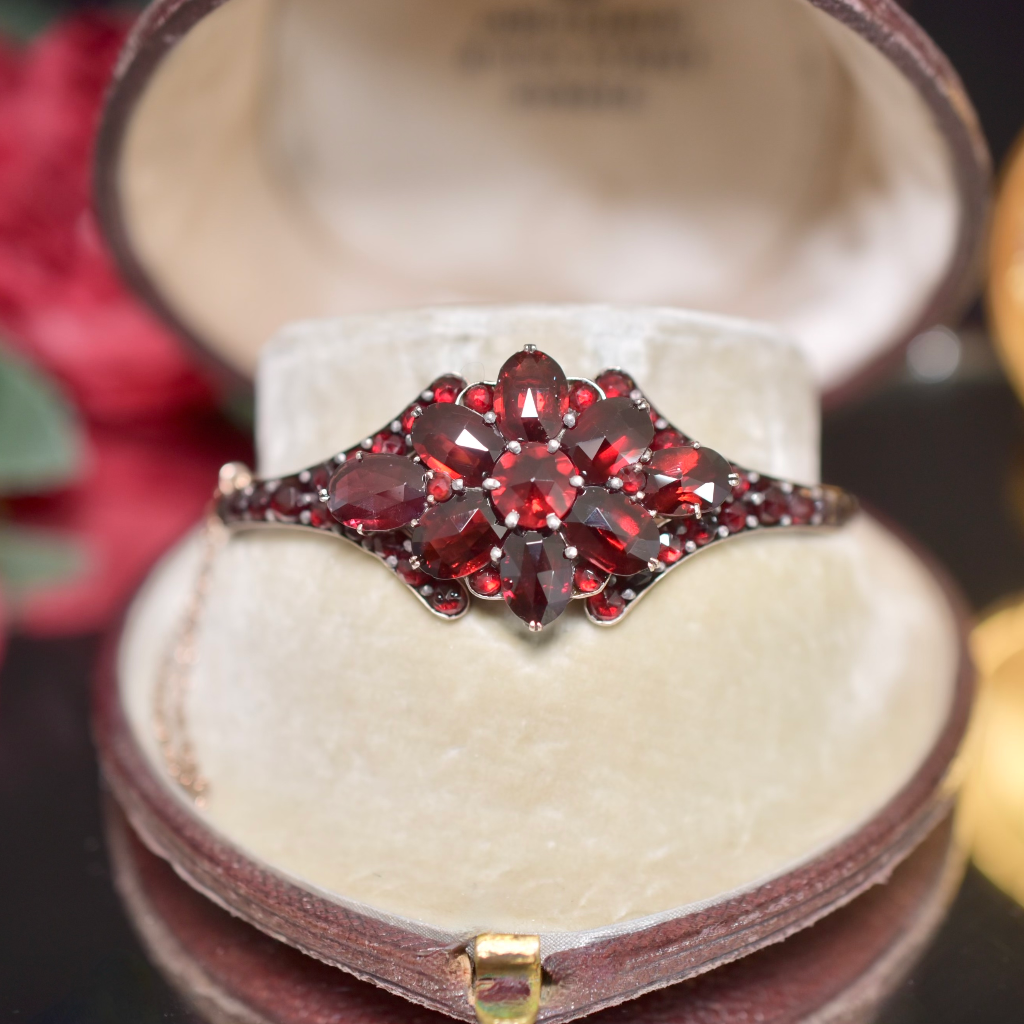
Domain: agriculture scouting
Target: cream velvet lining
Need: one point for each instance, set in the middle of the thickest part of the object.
(763, 701)
(295, 158)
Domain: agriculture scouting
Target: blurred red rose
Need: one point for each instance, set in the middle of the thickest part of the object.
(61, 302)
(153, 437)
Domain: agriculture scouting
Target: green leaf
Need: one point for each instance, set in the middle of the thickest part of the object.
(39, 442)
(32, 559)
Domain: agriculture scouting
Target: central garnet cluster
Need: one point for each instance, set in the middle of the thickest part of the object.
(535, 489)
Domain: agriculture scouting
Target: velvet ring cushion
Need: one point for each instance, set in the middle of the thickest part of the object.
(812, 164)
(766, 739)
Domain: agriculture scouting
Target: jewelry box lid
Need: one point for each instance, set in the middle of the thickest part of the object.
(811, 163)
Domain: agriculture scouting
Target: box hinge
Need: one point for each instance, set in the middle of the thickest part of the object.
(506, 978)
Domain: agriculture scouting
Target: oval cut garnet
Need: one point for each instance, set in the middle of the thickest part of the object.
(536, 577)
(377, 492)
(680, 478)
(608, 437)
(455, 539)
(609, 531)
(455, 440)
(615, 384)
(531, 397)
(534, 484)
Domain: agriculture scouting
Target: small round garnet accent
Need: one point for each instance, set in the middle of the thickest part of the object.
(536, 577)
(455, 539)
(439, 487)
(388, 444)
(608, 437)
(680, 479)
(479, 398)
(454, 440)
(485, 582)
(448, 599)
(609, 531)
(774, 506)
(289, 499)
(801, 508)
(588, 580)
(733, 516)
(446, 389)
(671, 548)
(606, 606)
(634, 480)
(377, 492)
(582, 395)
(407, 574)
(615, 384)
(534, 484)
(667, 438)
(531, 397)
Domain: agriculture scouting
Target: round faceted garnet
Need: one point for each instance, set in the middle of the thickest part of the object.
(485, 582)
(536, 577)
(608, 437)
(448, 599)
(454, 440)
(606, 606)
(290, 498)
(678, 479)
(455, 539)
(582, 395)
(609, 531)
(588, 580)
(377, 492)
(479, 398)
(531, 397)
(534, 484)
(615, 384)
(446, 389)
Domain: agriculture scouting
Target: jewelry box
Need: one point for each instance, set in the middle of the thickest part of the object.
(774, 731)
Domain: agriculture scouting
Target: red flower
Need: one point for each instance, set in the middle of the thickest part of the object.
(61, 302)
(154, 440)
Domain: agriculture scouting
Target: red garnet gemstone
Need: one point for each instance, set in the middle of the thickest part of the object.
(439, 487)
(609, 531)
(455, 539)
(485, 582)
(588, 580)
(410, 416)
(454, 440)
(774, 506)
(700, 531)
(667, 438)
(479, 398)
(531, 397)
(680, 478)
(634, 480)
(536, 577)
(801, 508)
(388, 444)
(582, 395)
(448, 599)
(534, 484)
(615, 384)
(377, 492)
(407, 574)
(606, 606)
(671, 549)
(608, 437)
(290, 498)
(446, 389)
(733, 516)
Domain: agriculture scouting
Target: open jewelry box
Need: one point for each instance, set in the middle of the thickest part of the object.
(772, 733)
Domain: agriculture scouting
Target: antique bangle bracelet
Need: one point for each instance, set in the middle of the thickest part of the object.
(536, 489)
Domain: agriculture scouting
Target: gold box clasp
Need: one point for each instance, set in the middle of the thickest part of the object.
(506, 979)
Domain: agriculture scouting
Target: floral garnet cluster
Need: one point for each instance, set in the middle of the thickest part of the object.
(536, 489)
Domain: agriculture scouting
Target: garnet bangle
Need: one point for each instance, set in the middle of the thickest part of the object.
(536, 489)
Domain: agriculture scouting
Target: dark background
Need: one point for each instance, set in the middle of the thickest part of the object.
(944, 460)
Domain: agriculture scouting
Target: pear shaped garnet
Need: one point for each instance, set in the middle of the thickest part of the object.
(377, 492)
(531, 397)
(681, 481)
(536, 577)
(455, 539)
(609, 437)
(609, 531)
